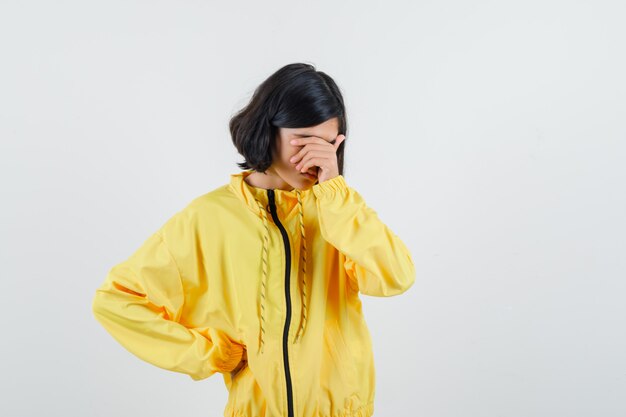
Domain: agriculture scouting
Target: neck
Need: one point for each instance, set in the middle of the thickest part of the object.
(267, 180)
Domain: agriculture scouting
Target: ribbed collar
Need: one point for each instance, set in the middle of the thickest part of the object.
(286, 200)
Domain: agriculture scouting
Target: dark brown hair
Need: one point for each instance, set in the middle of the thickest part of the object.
(295, 96)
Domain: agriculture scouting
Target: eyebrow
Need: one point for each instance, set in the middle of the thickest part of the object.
(308, 134)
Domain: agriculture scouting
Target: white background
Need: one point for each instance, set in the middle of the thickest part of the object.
(489, 136)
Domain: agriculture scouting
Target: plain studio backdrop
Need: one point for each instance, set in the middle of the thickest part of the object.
(488, 135)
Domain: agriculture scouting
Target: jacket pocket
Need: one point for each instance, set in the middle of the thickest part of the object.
(236, 386)
(243, 368)
(245, 396)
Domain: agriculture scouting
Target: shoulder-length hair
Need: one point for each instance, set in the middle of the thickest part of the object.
(295, 96)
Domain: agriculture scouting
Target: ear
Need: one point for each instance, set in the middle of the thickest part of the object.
(340, 139)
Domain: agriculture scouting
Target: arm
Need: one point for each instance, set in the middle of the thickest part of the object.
(140, 304)
(376, 260)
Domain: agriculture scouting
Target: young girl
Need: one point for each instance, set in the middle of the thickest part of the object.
(260, 279)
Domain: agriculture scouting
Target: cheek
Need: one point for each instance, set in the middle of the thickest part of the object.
(284, 158)
(289, 153)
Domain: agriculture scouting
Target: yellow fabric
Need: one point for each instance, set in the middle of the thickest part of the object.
(211, 281)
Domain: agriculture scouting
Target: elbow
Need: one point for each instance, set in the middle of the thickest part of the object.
(388, 283)
(396, 285)
(402, 277)
(98, 305)
(103, 306)
(401, 281)
(403, 284)
(408, 273)
(408, 282)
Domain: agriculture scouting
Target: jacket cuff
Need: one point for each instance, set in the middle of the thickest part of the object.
(234, 357)
(334, 184)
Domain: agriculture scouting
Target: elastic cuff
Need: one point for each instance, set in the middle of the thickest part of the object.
(337, 183)
(234, 357)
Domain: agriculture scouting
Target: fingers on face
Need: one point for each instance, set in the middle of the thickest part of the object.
(312, 163)
(312, 149)
(317, 155)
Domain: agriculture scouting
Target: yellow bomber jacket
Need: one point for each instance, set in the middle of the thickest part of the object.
(278, 273)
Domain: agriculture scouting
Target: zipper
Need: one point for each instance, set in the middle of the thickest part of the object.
(272, 205)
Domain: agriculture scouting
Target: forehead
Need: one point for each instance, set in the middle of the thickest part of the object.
(328, 132)
(302, 135)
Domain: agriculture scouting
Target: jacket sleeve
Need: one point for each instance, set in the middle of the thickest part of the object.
(377, 262)
(140, 304)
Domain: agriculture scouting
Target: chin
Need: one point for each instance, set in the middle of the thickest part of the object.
(307, 182)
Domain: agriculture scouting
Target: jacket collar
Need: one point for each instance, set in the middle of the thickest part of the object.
(286, 200)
